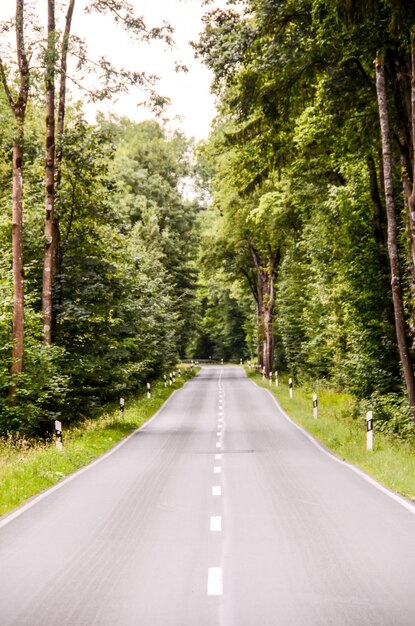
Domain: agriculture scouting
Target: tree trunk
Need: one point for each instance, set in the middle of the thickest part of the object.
(17, 254)
(392, 235)
(378, 213)
(18, 108)
(60, 127)
(50, 235)
(265, 303)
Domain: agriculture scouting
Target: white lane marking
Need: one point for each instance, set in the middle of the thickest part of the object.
(25, 507)
(219, 434)
(372, 481)
(218, 456)
(217, 469)
(216, 524)
(219, 445)
(215, 581)
(217, 490)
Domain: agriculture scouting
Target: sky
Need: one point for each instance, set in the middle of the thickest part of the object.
(192, 105)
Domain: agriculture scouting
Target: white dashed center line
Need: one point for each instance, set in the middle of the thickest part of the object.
(216, 524)
(217, 469)
(216, 490)
(218, 456)
(215, 581)
(219, 445)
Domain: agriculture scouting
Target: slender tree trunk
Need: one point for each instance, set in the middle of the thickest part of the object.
(17, 253)
(392, 235)
(408, 178)
(62, 92)
(60, 127)
(18, 108)
(378, 213)
(260, 334)
(50, 235)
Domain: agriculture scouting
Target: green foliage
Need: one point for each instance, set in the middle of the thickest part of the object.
(391, 415)
(295, 158)
(124, 291)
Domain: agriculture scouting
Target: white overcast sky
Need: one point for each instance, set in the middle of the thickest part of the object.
(192, 106)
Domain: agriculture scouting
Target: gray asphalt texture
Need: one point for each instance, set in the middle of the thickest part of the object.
(304, 539)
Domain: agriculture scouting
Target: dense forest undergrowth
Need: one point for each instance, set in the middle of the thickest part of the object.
(296, 249)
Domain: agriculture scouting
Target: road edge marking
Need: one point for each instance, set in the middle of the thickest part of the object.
(404, 502)
(9, 517)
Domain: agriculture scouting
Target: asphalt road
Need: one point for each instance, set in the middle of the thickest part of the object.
(219, 512)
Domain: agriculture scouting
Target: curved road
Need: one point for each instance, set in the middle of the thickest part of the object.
(218, 512)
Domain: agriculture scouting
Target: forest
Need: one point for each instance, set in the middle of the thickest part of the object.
(296, 249)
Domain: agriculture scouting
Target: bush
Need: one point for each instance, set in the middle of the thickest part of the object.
(391, 414)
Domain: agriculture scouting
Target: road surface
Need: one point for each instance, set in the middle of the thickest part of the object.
(219, 512)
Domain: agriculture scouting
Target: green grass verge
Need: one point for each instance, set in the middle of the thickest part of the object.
(391, 462)
(27, 468)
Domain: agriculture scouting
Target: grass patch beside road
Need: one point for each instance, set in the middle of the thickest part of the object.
(27, 468)
(391, 462)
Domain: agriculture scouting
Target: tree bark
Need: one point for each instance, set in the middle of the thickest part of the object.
(62, 92)
(17, 254)
(392, 235)
(265, 268)
(378, 212)
(50, 235)
(18, 108)
(57, 251)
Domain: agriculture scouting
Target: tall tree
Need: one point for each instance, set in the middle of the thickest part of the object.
(397, 295)
(111, 81)
(18, 104)
(50, 245)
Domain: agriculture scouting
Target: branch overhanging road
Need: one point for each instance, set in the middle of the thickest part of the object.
(219, 511)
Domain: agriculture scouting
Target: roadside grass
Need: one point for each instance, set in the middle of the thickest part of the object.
(28, 468)
(391, 462)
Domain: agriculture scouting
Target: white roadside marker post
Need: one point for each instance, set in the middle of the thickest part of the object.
(276, 379)
(171, 376)
(315, 406)
(290, 385)
(270, 379)
(165, 380)
(174, 376)
(122, 406)
(148, 391)
(263, 373)
(221, 361)
(58, 433)
(369, 430)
